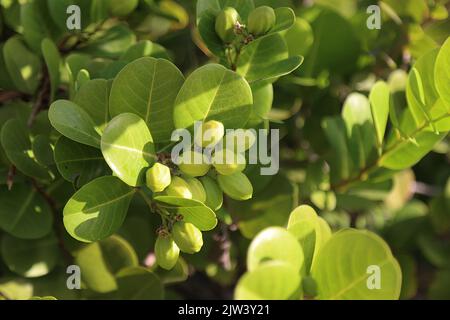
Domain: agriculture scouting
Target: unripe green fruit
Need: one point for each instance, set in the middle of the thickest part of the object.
(237, 186)
(196, 188)
(225, 24)
(166, 252)
(122, 7)
(178, 188)
(214, 195)
(210, 135)
(227, 162)
(261, 20)
(187, 237)
(189, 166)
(158, 177)
(240, 140)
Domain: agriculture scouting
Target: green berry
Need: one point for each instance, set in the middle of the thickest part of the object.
(211, 134)
(225, 24)
(261, 20)
(237, 186)
(197, 189)
(227, 162)
(240, 140)
(158, 177)
(166, 252)
(187, 237)
(178, 188)
(194, 164)
(214, 195)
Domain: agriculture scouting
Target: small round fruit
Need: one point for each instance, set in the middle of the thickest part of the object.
(197, 189)
(211, 133)
(187, 237)
(158, 177)
(166, 252)
(227, 162)
(261, 20)
(225, 24)
(240, 140)
(214, 195)
(122, 8)
(194, 164)
(178, 188)
(237, 186)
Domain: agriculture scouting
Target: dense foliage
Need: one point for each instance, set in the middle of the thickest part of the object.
(360, 208)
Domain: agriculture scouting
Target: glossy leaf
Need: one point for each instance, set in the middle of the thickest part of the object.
(442, 73)
(379, 104)
(150, 286)
(127, 147)
(98, 209)
(52, 59)
(148, 87)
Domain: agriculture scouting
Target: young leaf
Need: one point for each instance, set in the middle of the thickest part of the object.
(379, 104)
(127, 147)
(150, 286)
(285, 18)
(275, 243)
(193, 211)
(73, 122)
(53, 61)
(98, 209)
(273, 280)
(148, 87)
(266, 58)
(79, 163)
(30, 258)
(442, 73)
(100, 262)
(206, 95)
(24, 213)
(361, 266)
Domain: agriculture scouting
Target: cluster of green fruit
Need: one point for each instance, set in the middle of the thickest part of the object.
(228, 23)
(199, 178)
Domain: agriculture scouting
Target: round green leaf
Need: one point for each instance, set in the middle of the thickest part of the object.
(127, 147)
(273, 280)
(24, 213)
(193, 211)
(30, 258)
(42, 150)
(149, 285)
(442, 73)
(345, 264)
(73, 122)
(206, 95)
(98, 209)
(275, 243)
(148, 87)
(99, 262)
(79, 163)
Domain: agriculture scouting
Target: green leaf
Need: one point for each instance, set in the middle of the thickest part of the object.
(285, 18)
(442, 73)
(53, 61)
(34, 19)
(242, 6)
(299, 38)
(17, 145)
(79, 163)
(23, 66)
(127, 147)
(150, 286)
(30, 258)
(42, 150)
(73, 122)
(98, 209)
(193, 211)
(24, 213)
(349, 258)
(273, 280)
(310, 230)
(100, 262)
(275, 243)
(206, 96)
(148, 87)
(144, 48)
(93, 97)
(266, 58)
(379, 103)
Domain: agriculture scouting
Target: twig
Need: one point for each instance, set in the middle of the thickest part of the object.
(10, 177)
(41, 97)
(6, 96)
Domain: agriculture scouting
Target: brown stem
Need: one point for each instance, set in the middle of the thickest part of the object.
(10, 177)
(6, 96)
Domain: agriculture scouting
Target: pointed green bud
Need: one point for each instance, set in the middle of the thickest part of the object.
(214, 195)
(187, 237)
(240, 140)
(158, 177)
(178, 188)
(225, 24)
(196, 188)
(227, 162)
(194, 164)
(261, 20)
(166, 252)
(211, 133)
(237, 186)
